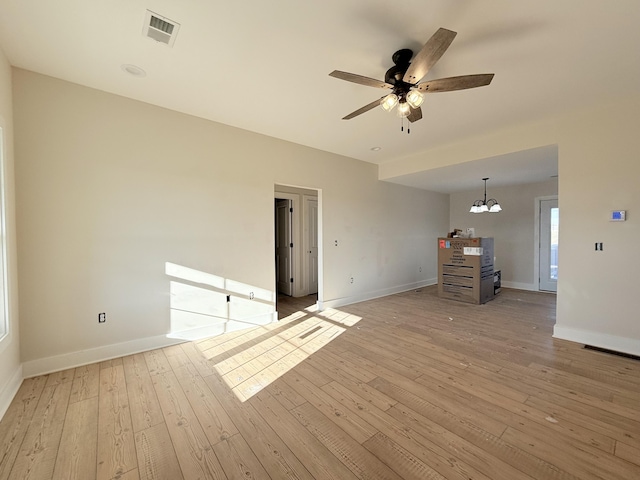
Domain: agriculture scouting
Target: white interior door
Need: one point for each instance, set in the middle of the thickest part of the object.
(549, 224)
(312, 244)
(284, 246)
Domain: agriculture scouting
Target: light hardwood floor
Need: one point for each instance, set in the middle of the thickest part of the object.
(407, 386)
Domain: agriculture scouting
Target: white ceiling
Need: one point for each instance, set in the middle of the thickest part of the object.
(263, 66)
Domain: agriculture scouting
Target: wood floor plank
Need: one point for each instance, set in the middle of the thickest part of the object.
(60, 377)
(271, 450)
(286, 395)
(194, 452)
(76, 459)
(403, 462)
(238, 461)
(114, 362)
(157, 362)
(86, 383)
(39, 449)
(204, 366)
(517, 414)
(143, 402)
(628, 453)
(320, 462)
(156, 456)
(620, 432)
(215, 422)
(450, 403)
(130, 475)
(587, 463)
(410, 441)
(413, 409)
(357, 458)
(116, 453)
(351, 424)
(16, 421)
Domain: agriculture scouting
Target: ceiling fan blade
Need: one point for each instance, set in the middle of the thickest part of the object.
(364, 109)
(456, 83)
(359, 79)
(415, 115)
(429, 55)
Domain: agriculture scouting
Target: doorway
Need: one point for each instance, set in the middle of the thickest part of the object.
(549, 222)
(284, 245)
(297, 229)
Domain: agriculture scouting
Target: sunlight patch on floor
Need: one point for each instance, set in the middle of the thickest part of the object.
(274, 349)
(337, 316)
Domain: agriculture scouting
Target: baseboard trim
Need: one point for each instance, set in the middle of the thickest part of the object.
(597, 339)
(9, 390)
(341, 302)
(520, 286)
(56, 363)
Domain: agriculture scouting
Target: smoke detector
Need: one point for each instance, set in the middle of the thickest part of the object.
(160, 28)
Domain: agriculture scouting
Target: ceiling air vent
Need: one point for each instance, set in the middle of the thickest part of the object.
(160, 28)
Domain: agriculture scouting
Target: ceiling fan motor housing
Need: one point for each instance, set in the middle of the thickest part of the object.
(402, 60)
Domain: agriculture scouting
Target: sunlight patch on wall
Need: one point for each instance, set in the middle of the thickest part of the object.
(204, 305)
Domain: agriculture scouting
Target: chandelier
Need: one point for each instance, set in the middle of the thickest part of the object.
(491, 205)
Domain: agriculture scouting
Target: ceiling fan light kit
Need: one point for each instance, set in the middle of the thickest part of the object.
(404, 109)
(404, 79)
(481, 206)
(389, 102)
(415, 98)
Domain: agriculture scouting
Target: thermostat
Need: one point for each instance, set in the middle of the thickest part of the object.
(618, 216)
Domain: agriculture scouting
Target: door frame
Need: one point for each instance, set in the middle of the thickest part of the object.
(306, 225)
(536, 247)
(290, 254)
(299, 282)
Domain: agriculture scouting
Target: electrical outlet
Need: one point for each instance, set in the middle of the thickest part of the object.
(102, 317)
(251, 296)
(351, 279)
(420, 269)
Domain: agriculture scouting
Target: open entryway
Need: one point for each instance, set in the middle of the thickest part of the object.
(548, 244)
(297, 246)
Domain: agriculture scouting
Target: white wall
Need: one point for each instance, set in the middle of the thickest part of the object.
(109, 189)
(10, 368)
(513, 229)
(598, 301)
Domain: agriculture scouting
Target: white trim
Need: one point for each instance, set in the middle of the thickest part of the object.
(64, 361)
(520, 286)
(536, 239)
(597, 339)
(5, 321)
(199, 333)
(9, 391)
(296, 267)
(340, 302)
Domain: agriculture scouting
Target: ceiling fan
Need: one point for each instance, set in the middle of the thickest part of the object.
(404, 79)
